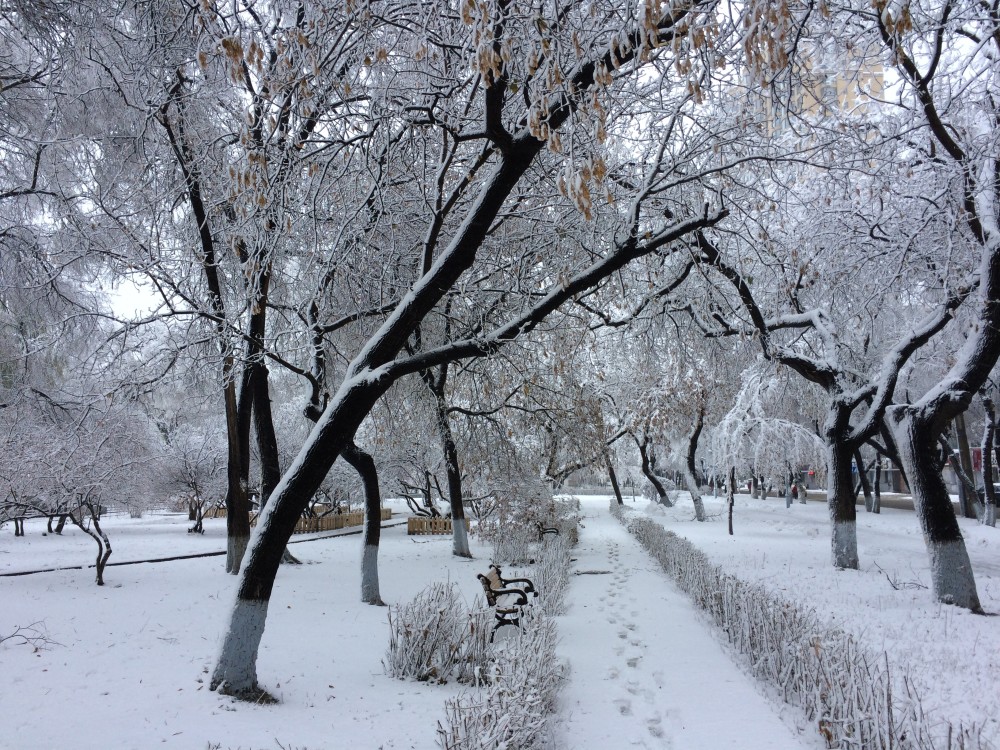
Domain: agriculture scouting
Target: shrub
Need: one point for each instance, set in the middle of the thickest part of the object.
(435, 637)
(551, 573)
(512, 711)
(855, 699)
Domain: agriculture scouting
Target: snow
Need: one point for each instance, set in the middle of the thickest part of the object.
(129, 661)
(952, 655)
(646, 671)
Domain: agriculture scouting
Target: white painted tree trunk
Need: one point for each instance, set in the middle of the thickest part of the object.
(369, 575)
(952, 578)
(840, 502)
(236, 547)
(692, 485)
(236, 665)
(844, 544)
(459, 538)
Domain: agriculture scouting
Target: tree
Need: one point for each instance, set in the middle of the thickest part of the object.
(930, 49)
(762, 432)
(75, 455)
(514, 140)
(195, 464)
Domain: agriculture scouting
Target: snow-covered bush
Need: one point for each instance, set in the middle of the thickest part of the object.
(513, 544)
(856, 699)
(435, 637)
(513, 711)
(515, 531)
(424, 633)
(520, 685)
(519, 504)
(551, 572)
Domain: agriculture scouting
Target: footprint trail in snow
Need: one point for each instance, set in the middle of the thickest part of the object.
(645, 671)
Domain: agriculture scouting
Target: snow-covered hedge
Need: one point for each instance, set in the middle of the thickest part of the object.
(551, 573)
(856, 698)
(520, 688)
(515, 531)
(512, 710)
(435, 637)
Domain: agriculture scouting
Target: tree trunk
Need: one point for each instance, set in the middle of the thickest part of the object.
(614, 478)
(95, 532)
(690, 474)
(267, 441)
(952, 578)
(789, 480)
(989, 438)
(459, 535)
(365, 466)
(237, 498)
(647, 470)
(966, 483)
(967, 499)
(866, 487)
(198, 506)
(235, 669)
(731, 499)
(877, 491)
(840, 501)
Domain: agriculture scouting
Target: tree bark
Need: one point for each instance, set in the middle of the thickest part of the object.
(966, 482)
(237, 502)
(866, 487)
(690, 476)
(952, 578)
(267, 440)
(967, 499)
(437, 383)
(989, 438)
(363, 463)
(840, 501)
(877, 491)
(614, 478)
(238, 471)
(731, 498)
(235, 669)
(647, 470)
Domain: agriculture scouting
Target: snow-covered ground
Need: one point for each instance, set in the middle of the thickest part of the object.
(952, 656)
(125, 666)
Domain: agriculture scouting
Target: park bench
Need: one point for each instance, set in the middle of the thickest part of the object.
(543, 530)
(495, 586)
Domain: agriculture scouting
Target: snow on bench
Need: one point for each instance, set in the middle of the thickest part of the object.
(495, 586)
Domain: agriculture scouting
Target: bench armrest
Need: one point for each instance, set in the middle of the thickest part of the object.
(493, 593)
(529, 587)
(522, 595)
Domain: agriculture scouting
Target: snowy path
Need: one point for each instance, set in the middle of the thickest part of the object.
(646, 670)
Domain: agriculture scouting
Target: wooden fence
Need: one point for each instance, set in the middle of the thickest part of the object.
(331, 522)
(428, 525)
